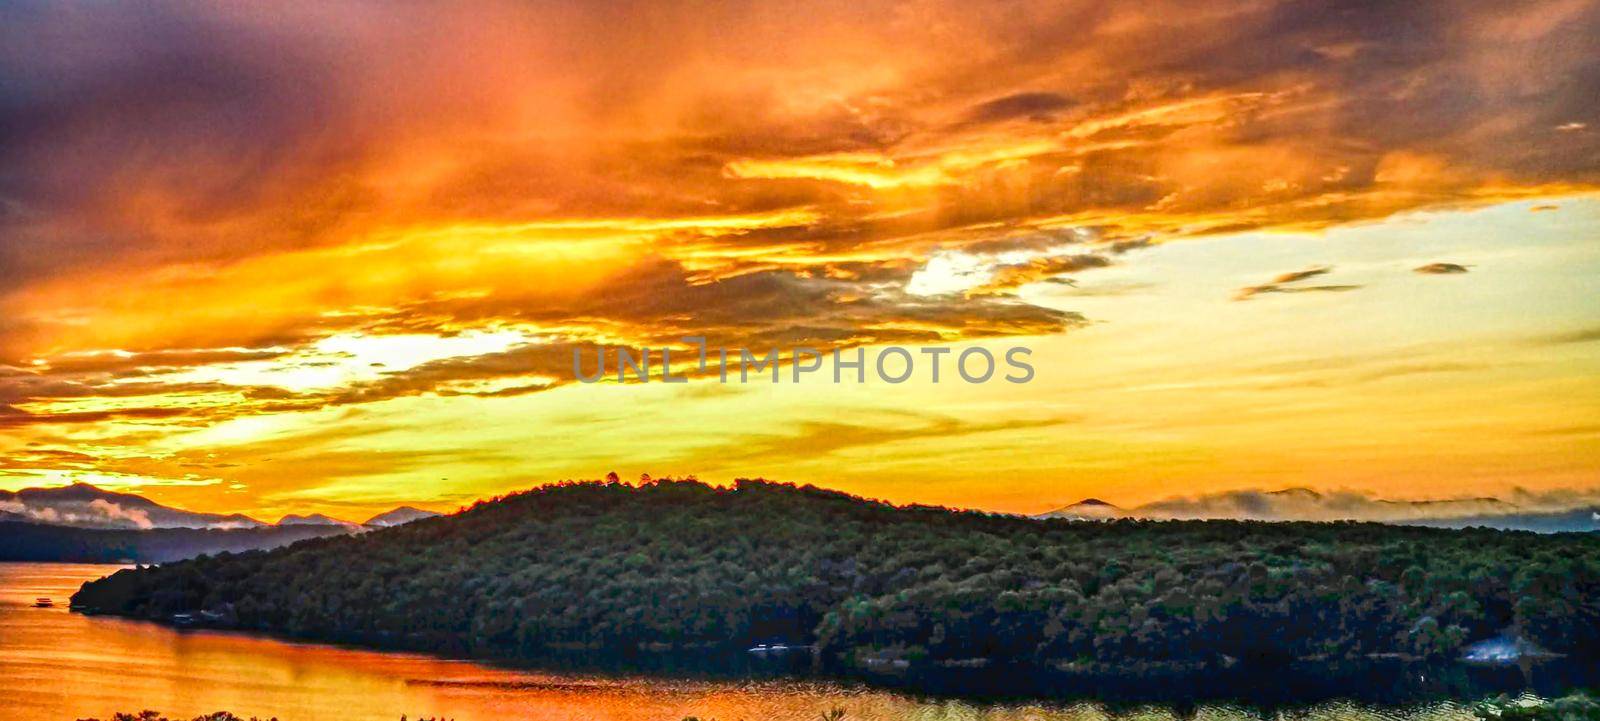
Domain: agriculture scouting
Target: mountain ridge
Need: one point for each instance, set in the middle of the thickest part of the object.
(398, 516)
(84, 505)
(313, 519)
(1551, 513)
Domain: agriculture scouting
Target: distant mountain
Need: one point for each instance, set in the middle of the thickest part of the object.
(83, 523)
(314, 519)
(84, 506)
(1304, 504)
(1582, 519)
(81, 505)
(1088, 509)
(398, 516)
(66, 544)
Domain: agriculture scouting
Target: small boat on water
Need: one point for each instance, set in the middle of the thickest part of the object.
(776, 648)
(42, 602)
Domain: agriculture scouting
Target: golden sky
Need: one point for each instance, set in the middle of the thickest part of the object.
(335, 257)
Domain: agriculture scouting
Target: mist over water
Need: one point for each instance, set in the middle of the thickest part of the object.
(57, 665)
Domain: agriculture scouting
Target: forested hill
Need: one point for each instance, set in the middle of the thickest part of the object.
(616, 569)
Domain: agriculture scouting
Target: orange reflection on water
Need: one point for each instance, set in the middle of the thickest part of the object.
(59, 666)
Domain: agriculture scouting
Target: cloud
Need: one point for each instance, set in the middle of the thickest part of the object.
(812, 439)
(97, 513)
(196, 196)
(1581, 335)
(1255, 290)
(1284, 283)
(106, 511)
(1440, 269)
(12, 418)
(1014, 275)
(1127, 246)
(650, 302)
(1334, 371)
(283, 139)
(1300, 275)
(1033, 105)
(1305, 504)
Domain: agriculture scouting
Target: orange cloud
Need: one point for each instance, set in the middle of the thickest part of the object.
(196, 200)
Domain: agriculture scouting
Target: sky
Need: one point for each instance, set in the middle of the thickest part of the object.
(337, 257)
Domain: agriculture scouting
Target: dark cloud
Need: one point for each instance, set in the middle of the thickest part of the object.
(228, 132)
(1285, 283)
(35, 458)
(1033, 105)
(1300, 275)
(659, 306)
(1249, 292)
(1011, 276)
(660, 301)
(11, 417)
(1582, 335)
(1440, 269)
(1035, 241)
(1126, 246)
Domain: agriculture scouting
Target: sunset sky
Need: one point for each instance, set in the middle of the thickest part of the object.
(291, 257)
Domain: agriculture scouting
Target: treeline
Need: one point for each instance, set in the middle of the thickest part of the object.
(65, 544)
(612, 569)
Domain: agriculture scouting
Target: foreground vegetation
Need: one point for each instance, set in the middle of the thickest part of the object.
(612, 569)
(1576, 707)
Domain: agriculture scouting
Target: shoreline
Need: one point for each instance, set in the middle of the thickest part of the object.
(1294, 684)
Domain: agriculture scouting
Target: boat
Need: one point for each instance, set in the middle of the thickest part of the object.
(776, 648)
(42, 602)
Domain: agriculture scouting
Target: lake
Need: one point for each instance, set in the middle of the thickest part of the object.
(59, 666)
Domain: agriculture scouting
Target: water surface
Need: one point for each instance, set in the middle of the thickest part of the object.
(59, 666)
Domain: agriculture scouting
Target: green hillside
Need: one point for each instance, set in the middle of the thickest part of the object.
(607, 568)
